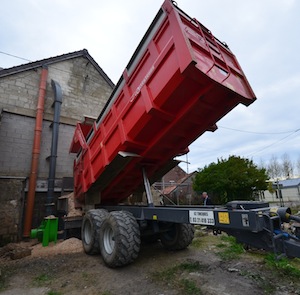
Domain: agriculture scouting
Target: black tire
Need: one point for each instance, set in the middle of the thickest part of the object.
(178, 237)
(119, 239)
(90, 229)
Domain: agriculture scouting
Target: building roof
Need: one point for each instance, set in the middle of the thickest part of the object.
(51, 60)
(290, 182)
(174, 174)
(170, 189)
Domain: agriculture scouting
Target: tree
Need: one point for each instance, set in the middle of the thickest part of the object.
(274, 168)
(232, 179)
(298, 165)
(287, 166)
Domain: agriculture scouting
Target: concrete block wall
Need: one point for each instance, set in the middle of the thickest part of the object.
(17, 132)
(85, 92)
(20, 91)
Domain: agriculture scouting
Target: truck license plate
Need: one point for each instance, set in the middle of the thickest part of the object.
(202, 217)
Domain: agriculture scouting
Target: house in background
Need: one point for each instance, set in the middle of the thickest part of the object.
(285, 192)
(85, 89)
(176, 187)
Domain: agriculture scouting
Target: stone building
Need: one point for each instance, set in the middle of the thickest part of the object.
(85, 90)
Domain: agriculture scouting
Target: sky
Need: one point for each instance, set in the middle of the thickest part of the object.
(263, 35)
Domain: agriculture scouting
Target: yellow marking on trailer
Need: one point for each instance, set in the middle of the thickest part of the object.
(223, 217)
(154, 217)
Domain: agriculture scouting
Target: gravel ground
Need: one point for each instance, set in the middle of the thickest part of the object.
(64, 268)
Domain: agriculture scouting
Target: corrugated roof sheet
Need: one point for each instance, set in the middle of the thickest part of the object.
(290, 182)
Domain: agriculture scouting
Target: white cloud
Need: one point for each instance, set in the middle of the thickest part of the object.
(290, 84)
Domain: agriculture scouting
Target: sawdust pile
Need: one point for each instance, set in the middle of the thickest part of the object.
(71, 245)
(14, 251)
(72, 211)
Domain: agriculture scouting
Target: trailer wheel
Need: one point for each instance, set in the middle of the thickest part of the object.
(90, 228)
(119, 239)
(178, 237)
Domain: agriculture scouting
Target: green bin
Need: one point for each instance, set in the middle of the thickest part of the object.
(46, 232)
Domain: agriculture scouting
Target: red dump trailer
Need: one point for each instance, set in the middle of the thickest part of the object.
(179, 82)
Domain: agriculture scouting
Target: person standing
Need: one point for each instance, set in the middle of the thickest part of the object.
(206, 199)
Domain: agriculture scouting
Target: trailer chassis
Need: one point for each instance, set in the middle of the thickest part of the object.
(116, 231)
(260, 227)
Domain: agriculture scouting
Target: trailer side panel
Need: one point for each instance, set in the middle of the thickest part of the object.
(180, 81)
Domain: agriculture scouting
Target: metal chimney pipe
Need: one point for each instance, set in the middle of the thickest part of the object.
(35, 152)
(55, 131)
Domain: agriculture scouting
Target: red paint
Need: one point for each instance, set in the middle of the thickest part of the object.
(176, 87)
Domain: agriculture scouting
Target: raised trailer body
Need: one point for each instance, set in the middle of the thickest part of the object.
(179, 82)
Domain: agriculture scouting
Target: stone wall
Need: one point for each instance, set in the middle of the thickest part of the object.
(10, 210)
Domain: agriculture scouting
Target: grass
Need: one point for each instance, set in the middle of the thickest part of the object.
(203, 240)
(197, 243)
(54, 293)
(172, 276)
(189, 287)
(266, 285)
(283, 266)
(45, 279)
(3, 275)
(190, 266)
(229, 248)
(89, 278)
(284, 270)
(42, 279)
(280, 268)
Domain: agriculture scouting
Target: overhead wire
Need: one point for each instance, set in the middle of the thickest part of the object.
(12, 55)
(293, 132)
(290, 132)
(274, 143)
(256, 132)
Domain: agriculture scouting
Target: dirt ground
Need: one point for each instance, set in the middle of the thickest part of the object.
(64, 268)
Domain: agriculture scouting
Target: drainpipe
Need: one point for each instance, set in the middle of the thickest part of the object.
(35, 152)
(55, 130)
